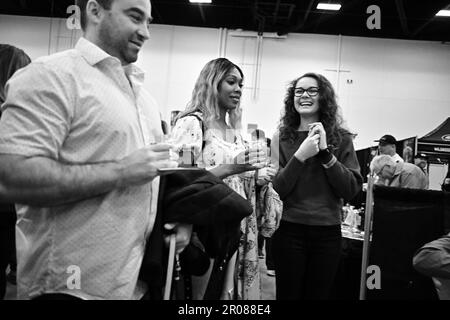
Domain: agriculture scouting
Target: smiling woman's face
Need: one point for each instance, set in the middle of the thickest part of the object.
(305, 104)
(230, 90)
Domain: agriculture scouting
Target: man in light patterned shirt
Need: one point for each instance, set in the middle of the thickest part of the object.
(78, 153)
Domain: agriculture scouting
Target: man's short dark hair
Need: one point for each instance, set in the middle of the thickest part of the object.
(387, 139)
(106, 4)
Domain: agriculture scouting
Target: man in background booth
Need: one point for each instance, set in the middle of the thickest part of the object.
(387, 145)
(446, 183)
(398, 174)
(433, 260)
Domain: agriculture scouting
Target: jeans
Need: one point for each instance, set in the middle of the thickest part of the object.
(306, 260)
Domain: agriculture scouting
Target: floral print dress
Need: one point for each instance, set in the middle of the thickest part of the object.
(188, 134)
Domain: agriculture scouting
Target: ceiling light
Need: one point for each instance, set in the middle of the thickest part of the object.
(329, 6)
(200, 1)
(443, 13)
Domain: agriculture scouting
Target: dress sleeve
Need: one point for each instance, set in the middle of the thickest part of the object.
(187, 137)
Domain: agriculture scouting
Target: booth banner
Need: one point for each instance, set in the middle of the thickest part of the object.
(436, 144)
(403, 221)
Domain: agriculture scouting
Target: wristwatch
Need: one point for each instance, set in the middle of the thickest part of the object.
(327, 158)
(325, 155)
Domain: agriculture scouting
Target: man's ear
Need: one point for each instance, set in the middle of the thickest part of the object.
(94, 12)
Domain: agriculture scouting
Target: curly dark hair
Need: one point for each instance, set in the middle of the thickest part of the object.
(328, 112)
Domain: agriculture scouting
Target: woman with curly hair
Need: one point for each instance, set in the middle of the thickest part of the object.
(318, 168)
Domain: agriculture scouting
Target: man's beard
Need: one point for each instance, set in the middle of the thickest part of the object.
(114, 45)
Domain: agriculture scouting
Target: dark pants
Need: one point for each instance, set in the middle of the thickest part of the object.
(63, 296)
(269, 254)
(306, 260)
(56, 296)
(7, 242)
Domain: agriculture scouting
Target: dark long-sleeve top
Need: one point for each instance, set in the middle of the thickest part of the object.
(311, 193)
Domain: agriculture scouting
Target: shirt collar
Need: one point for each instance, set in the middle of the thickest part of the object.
(91, 52)
(133, 71)
(94, 55)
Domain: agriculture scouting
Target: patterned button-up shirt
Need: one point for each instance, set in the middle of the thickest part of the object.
(77, 107)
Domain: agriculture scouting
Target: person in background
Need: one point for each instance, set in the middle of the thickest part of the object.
(446, 183)
(258, 135)
(263, 177)
(420, 160)
(408, 154)
(210, 126)
(387, 145)
(318, 168)
(78, 151)
(263, 180)
(398, 174)
(433, 260)
(11, 60)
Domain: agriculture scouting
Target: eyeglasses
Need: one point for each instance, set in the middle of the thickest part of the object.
(312, 91)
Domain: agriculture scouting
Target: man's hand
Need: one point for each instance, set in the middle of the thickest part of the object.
(183, 235)
(317, 128)
(142, 165)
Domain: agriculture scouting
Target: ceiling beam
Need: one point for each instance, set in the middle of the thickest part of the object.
(300, 21)
(402, 16)
(431, 16)
(420, 28)
(202, 13)
(157, 15)
(275, 13)
(323, 18)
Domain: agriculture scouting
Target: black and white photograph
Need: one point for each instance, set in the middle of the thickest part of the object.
(225, 155)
